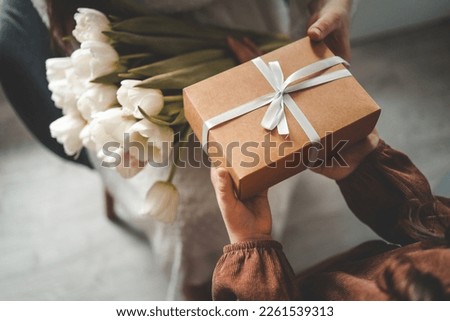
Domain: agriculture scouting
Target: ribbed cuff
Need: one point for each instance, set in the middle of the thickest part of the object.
(250, 245)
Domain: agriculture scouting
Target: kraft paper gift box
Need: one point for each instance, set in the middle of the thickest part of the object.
(340, 109)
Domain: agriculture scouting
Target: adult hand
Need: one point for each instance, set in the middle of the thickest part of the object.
(245, 221)
(353, 156)
(330, 21)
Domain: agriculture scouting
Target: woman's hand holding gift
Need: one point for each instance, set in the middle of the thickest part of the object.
(330, 21)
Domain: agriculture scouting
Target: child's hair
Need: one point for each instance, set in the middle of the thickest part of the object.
(430, 224)
(404, 281)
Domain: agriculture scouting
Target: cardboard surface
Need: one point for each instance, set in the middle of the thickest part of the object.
(341, 107)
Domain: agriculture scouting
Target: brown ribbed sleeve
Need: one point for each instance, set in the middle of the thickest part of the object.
(255, 270)
(384, 190)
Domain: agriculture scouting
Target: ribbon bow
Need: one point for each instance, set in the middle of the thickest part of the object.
(275, 115)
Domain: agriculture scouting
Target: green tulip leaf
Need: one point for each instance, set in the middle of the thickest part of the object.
(172, 108)
(164, 46)
(184, 77)
(180, 119)
(144, 55)
(130, 75)
(164, 120)
(113, 78)
(179, 62)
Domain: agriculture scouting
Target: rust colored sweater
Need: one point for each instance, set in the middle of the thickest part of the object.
(383, 192)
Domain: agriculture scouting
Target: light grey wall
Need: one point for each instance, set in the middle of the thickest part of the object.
(379, 16)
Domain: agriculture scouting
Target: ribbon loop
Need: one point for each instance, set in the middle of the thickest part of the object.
(282, 127)
(275, 115)
(277, 74)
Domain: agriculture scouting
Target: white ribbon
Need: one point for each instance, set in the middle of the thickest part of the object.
(275, 115)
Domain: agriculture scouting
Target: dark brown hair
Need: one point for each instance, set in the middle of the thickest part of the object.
(429, 223)
(60, 14)
(404, 281)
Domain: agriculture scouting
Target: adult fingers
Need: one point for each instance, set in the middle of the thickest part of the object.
(339, 43)
(320, 29)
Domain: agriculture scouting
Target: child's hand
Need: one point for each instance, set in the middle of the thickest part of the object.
(245, 221)
(353, 156)
(330, 21)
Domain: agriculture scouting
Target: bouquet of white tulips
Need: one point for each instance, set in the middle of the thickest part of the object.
(123, 87)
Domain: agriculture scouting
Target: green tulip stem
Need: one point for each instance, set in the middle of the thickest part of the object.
(186, 131)
(173, 170)
(171, 99)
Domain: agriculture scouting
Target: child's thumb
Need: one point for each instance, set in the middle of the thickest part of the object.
(223, 187)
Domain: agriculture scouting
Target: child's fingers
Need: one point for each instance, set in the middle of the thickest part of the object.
(224, 189)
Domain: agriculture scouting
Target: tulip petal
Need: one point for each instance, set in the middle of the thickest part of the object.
(161, 202)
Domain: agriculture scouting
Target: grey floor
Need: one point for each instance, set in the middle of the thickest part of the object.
(55, 242)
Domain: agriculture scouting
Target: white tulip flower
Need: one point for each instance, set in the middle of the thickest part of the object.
(67, 90)
(159, 139)
(130, 165)
(60, 84)
(56, 68)
(90, 25)
(161, 202)
(67, 130)
(85, 136)
(95, 59)
(109, 126)
(151, 101)
(77, 84)
(63, 96)
(97, 98)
